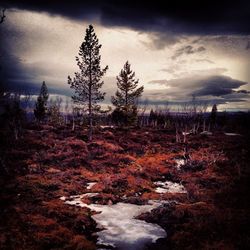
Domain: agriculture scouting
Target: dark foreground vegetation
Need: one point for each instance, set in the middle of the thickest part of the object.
(47, 162)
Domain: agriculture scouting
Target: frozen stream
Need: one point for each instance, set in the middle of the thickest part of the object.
(120, 228)
(169, 187)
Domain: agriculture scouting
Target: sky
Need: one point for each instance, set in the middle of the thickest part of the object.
(177, 50)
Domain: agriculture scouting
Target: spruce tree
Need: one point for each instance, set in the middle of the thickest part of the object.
(41, 104)
(213, 116)
(87, 82)
(126, 97)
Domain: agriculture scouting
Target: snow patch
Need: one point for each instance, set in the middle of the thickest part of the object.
(106, 126)
(169, 187)
(232, 134)
(121, 229)
(186, 133)
(90, 185)
(63, 198)
(179, 163)
(206, 133)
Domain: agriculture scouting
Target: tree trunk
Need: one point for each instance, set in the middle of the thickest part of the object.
(90, 103)
(73, 124)
(90, 123)
(204, 125)
(126, 103)
(16, 133)
(177, 136)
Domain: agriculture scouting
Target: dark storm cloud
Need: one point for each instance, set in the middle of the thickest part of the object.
(218, 86)
(243, 91)
(180, 17)
(13, 75)
(177, 104)
(160, 40)
(17, 77)
(215, 88)
(187, 50)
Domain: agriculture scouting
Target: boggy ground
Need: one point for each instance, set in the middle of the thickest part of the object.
(47, 163)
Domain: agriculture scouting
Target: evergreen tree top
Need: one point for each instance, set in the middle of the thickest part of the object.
(128, 91)
(87, 82)
(44, 94)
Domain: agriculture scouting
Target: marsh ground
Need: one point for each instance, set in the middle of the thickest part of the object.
(48, 163)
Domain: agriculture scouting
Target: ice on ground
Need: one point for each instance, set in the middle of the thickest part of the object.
(121, 229)
(232, 134)
(63, 198)
(90, 185)
(169, 187)
(179, 163)
(206, 133)
(76, 197)
(106, 126)
(186, 133)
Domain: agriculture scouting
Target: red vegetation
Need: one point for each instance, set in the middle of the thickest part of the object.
(48, 163)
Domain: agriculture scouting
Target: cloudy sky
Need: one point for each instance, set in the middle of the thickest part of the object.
(177, 50)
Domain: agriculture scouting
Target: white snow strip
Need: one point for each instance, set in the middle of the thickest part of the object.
(206, 133)
(90, 185)
(169, 187)
(121, 230)
(106, 126)
(186, 133)
(63, 198)
(179, 163)
(232, 134)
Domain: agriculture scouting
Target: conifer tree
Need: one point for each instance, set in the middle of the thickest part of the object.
(126, 97)
(41, 104)
(213, 115)
(87, 82)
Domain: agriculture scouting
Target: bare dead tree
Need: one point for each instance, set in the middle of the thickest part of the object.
(167, 116)
(142, 108)
(14, 115)
(66, 111)
(55, 116)
(203, 110)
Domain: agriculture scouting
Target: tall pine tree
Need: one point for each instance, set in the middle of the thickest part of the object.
(41, 104)
(126, 97)
(87, 82)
